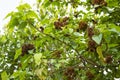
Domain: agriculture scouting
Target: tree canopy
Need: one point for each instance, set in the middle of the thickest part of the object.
(62, 40)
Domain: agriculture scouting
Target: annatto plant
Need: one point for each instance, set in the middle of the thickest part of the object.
(57, 40)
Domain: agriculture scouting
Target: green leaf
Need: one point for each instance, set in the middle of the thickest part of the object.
(4, 76)
(97, 38)
(77, 34)
(22, 25)
(9, 14)
(47, 3)
(25, 60)
(23, 7)
(48, 30)
(31, 14)
(18, 53)
(37, 58)
(112, 45)
(99, 51)
(15, 74)
(70, 30)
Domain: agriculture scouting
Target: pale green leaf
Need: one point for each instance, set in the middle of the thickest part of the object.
(70, 30)
(37, 58)
(15, 74)
(97, 38)
(17, 54)
(99, 51)
(4, 76)
(77, 34)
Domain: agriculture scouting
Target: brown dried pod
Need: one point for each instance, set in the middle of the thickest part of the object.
(65, 19)
(90, 32)
(83, 25)
(57, 25)
(108, 59)
(26, 48)
(57, 53)
(89, 75)
(70, 73)
(97, 2)
(61, 23)
(94, 21)
(91, 45)
(104, 3)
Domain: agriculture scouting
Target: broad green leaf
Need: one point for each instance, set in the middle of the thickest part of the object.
(17, 54)
(24, 7)
(31, 14)
(48, 30)
(77, 34)
(112, 45)
(9, 14)
(4, 76)
(70, 30)
(41, 73)
(110, 3)
(25, 60)
(114, 28)
(37, 58)
(47, 3)
(22, 25)
(97, 38)
(15, 74)
(99, 51)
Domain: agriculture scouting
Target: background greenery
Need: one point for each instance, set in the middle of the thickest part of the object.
(58, 41)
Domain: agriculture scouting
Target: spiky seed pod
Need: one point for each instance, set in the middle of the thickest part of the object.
(97, 2)
(83, 25)
(57, 53)
(27, 47)
(89, 75)
(90, 32)
(91, 45)
(65, 19)
(57, 25)
(70, 73)
(108, 59)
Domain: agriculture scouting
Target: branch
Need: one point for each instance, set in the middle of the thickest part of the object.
(79, 56)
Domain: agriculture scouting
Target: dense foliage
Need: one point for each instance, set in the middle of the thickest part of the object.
(62, 40)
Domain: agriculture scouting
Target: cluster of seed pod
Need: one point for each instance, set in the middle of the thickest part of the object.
(83, 25)
(57, 53)
(61, 23)
(70, 73)
(99, 2)
(108, 59)
(26, 48)
(91, 43)
(89, 75)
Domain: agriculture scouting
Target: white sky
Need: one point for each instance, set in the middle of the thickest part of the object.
(7, 6)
